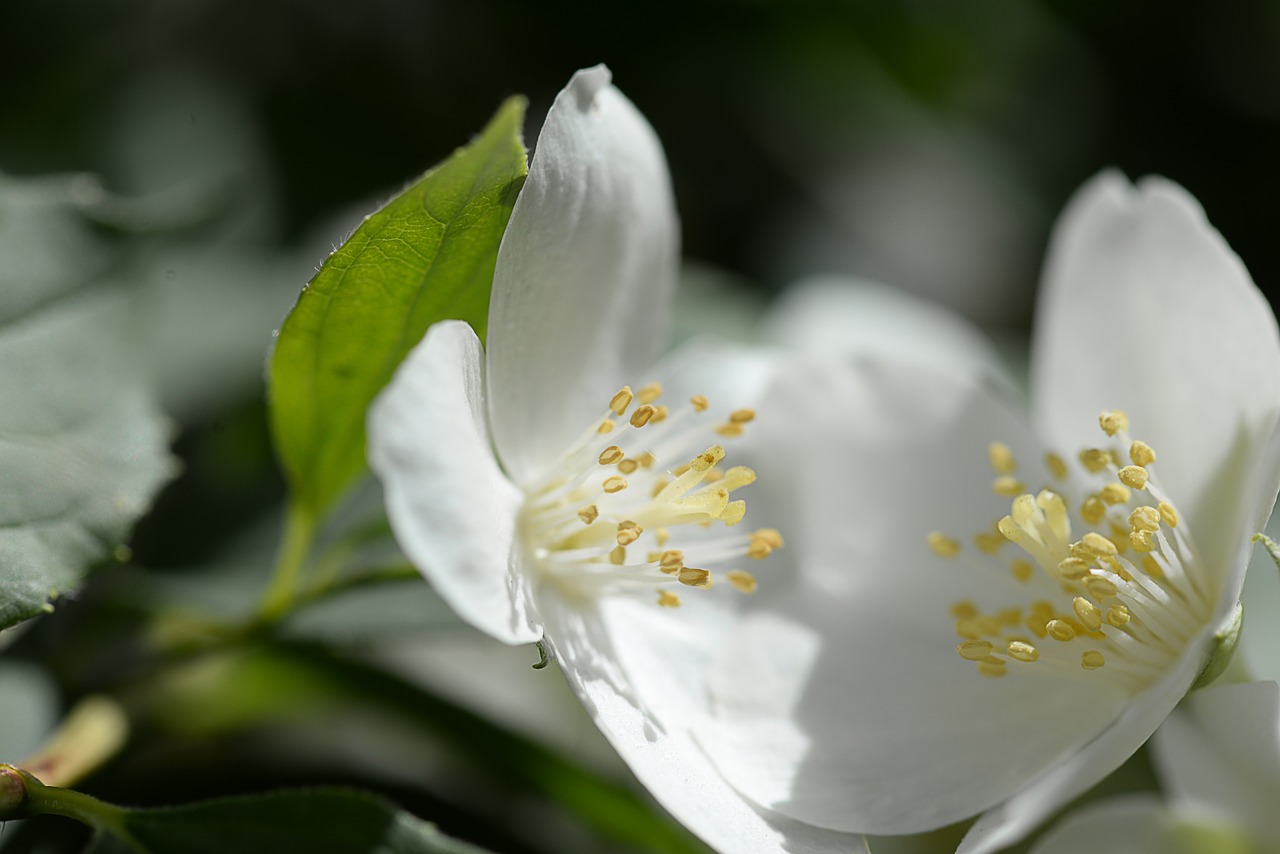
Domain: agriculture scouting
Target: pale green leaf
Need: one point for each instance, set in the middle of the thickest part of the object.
(82, 447)
(427, 255)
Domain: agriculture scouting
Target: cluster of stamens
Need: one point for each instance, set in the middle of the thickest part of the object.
(602, 518)
(1127, 595)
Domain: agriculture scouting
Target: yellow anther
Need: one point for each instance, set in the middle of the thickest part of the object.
(1141, 454)
(964, 610)
(1002, 461)
(1097, 545)
(1152, 567)
(1056, 466)
(1134, 476)
(1113, 422)
(1087, 612)
(660, 413)
(1145, 519)
(628, 466)
(770, 536)
(1060, 630)
(614, 484)
(1095, 459)
(729, 430)
(668, 600)
(989, 542)
(606, 426)
(621, 400)
(742, 416)
(941, 544)
(1022, 651)
(974, 650)
(1118, 615)
(618, 556)
(1073, 569)
(1022, 570)
(649, 393)
(643, 415)
(1093, 510)
(1168, 513)
(1092, 660)
(1008, 486)
(1114, 493)
(671, 558)
(699, 402)
(1101, 588)
(742, 581)
(611, 455)
(662, 535)
(1142, 541)
(691, 577)
(646, 460)
(628, 532)
(992, 667)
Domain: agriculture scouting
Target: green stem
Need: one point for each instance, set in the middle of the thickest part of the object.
(299, 534)
(40, 799)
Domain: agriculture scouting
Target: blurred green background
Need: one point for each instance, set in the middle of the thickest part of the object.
(923, 144)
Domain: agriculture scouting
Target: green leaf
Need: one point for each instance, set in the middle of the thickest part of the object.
(316, 821)
(82, 447)
(426, 256)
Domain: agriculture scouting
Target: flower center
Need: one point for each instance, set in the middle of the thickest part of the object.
(601, 519)
(1126, 596)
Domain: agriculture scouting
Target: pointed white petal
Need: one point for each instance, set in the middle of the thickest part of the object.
(1220, 753)
(641, 672)
(847, 705)
(1145, 308)
(453, 512)
(849, 317)
(584, 274)
(1136, 824)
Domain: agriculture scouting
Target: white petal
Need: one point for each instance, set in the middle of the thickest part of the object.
(847, 317)
(1220, 753)
(1145, 308)
(584, 274)
(453, 512)
(641, 672)
(847, 706)
(1015, 818)
(1136, 824)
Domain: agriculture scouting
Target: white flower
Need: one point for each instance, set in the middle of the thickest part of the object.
(1218, 759)
(1083, 561)
(546, 500)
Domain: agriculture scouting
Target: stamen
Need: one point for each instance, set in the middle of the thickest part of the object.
(729, 430)
(741, 580)
(649, 393)
(611, 455)
(942, 545)
(668, 599)
(699, 402)
(1113, 422)
(1114, 493)
(1092, 660)
(691, 577)
(1168, 514)
(974, 650)
(1001, 458)
(642, 415)
(1134, 476)
(589, 513)
(621, 400)
(614, 484)
(742, 416)
(1023, 651)
(1056, 466)
(1141, 454)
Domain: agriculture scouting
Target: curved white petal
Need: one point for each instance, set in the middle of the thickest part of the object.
(1220, 753)
(1019, 815)
(846, 705)
(641, 673)
(831, 315)
(453, 512)
(584, 275)
(1136, 824)
(1145, 308)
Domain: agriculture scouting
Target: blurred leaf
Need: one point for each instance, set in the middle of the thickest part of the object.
(288, 684)
(426, 256)
(317, 821)
(82, 447)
